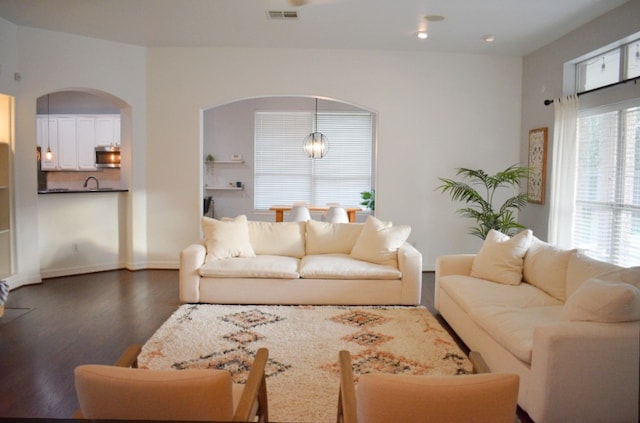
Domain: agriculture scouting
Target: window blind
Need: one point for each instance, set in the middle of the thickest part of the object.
(607, 213)
(284, 174)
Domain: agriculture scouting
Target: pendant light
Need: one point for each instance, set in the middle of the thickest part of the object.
(316, 145)
(49, 154)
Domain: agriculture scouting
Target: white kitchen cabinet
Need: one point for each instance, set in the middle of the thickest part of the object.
(108, 130)
(67, 147)
(86, 142)
(73, 138)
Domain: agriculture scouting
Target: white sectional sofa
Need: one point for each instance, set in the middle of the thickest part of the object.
(568, 325)
(313, 262)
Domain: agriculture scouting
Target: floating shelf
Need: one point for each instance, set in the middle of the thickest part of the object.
(224, 162)
(224, 188)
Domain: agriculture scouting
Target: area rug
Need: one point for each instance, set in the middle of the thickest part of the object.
(303, 342)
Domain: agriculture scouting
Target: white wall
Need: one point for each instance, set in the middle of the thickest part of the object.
(543, 73)
(435, 112)
(50, 61)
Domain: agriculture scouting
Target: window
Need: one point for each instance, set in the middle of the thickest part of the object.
(610, 67)
(607, 212)
(284, 174)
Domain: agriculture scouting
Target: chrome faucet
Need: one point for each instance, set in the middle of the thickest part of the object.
(86, 181)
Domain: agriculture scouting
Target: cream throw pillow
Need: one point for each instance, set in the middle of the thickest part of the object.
(378, 242)
(328, 238)
(278, 238)
(582, 267)
(602, 301)
(227, 238)
(500, 258)
(545, 267)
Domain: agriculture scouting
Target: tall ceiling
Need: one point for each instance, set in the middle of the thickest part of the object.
(519, 26)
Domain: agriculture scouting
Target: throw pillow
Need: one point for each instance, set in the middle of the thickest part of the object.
(277, 238)
(545, 267)
(227, 238)
(327, 238)
(602, 301)
(378, 242)
(582, 267)
(500, 258)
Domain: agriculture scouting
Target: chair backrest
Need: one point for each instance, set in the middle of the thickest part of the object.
(486, 397)
(111, 392)
(299, 214)
(336, 214)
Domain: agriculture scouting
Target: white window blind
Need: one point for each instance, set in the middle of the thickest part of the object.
(284, 174)
(607, 216)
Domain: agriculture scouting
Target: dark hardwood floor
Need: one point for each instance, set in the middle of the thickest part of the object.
(50, 328)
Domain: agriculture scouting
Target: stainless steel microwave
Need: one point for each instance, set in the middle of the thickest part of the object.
(108, 156)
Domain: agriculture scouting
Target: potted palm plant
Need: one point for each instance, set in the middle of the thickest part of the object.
(480, 201)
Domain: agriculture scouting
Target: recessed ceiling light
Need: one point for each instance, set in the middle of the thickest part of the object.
(489, 38)
(423, 35)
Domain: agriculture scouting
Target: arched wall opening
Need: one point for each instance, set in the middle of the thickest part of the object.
(80, 230)
(228, 135)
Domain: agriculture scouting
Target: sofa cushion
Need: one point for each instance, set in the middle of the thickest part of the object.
(327, 238)
(610, 297)
(263, 266)
(513, 327)
(582, 267)
(469, 292)
(545, 266)
(228, 238)
(500, 258)
(343, 266)
(278, 238)
(378, 242)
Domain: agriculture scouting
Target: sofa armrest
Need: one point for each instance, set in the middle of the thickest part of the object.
(191, 259)
(585, 371)
(410, 265)
(453, 264)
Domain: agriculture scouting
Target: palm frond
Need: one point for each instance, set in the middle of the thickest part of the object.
(518, 202)
(480, 208)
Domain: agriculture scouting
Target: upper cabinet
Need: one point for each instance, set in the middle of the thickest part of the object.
(107, 130)
(73, 138)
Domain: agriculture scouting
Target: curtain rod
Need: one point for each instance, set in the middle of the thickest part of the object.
(624, 81)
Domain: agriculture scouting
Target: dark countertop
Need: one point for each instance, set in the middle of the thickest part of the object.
(80, 191)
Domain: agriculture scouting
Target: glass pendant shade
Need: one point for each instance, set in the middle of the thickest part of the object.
(316, 145)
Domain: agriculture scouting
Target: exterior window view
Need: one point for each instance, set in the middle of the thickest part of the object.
(320, 211)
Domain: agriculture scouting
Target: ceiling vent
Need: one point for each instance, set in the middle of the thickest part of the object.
(282, 14)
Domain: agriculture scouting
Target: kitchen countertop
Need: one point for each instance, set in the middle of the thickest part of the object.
(80, 191)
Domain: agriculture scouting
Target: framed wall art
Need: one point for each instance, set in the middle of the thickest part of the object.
(537, 165)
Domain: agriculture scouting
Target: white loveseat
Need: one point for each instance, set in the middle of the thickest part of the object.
(566, 324)
(313, 262)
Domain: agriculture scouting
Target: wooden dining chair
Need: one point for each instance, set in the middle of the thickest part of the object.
(381, 398)
(124, 392)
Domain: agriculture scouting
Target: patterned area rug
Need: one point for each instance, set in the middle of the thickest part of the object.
(303, 342)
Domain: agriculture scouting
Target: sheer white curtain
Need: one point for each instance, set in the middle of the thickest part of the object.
(563, 172)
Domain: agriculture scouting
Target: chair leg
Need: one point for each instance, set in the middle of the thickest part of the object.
(255, 390)
(479, 365)
(347, 393)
